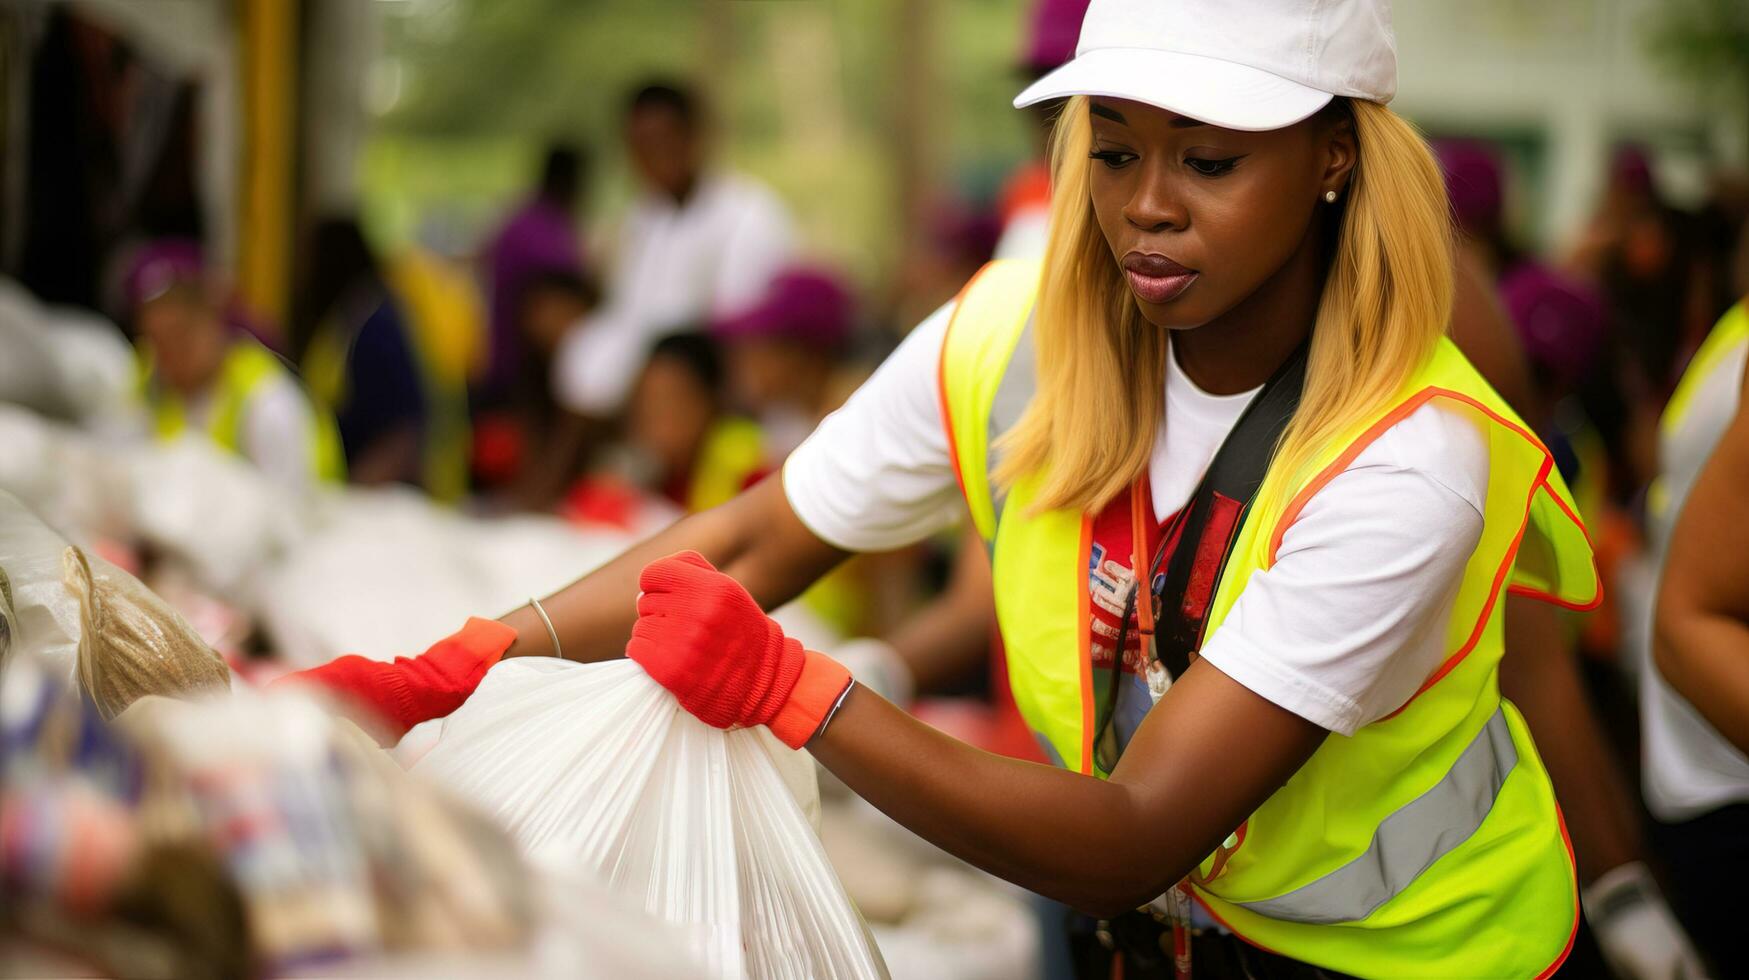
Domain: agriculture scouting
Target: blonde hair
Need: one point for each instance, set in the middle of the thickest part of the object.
(1386, 302)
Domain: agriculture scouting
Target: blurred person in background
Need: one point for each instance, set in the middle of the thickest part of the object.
(688, 445)
(447, 319)
(528, 447)
(786, 358)
(958, 238)
(1694, 694)
(699, 242)
(1643, 254)
(361, 360)
(539, 237)
(784, 352)
(1025, 205)
(1308, 212)
(1560, 325)
(200, 372)
(1597, 434)
(1719, 224)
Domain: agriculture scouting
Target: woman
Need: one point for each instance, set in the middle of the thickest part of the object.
(1224, 200)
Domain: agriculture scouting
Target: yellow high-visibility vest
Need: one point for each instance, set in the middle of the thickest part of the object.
(734, 449)
(1428, 843)
(247, 367)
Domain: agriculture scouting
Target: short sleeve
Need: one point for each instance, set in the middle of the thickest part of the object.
(877, 474)
(1351, 618)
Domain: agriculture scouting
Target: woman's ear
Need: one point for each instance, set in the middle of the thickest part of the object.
(1341, 152)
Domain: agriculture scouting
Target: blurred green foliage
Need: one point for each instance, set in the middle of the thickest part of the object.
(807, 94)
(1707, 42)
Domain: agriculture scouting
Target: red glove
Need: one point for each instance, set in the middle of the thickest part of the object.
(704, 638)
(402, 694)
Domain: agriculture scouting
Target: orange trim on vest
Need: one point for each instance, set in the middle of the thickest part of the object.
(1494, 594)
(1596, 596)
(1572, 863)
(1377, 429)
(1223, 854)
(1224, 924)
(1141, 563)
(1085, 645)
(1549, 971)
(1540, 484)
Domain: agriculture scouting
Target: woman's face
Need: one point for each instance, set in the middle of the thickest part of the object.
(1200, 217)
(187, 337)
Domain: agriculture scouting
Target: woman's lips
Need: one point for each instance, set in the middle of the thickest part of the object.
(1155, 278)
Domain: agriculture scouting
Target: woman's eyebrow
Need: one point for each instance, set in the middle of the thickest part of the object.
(1108, 113)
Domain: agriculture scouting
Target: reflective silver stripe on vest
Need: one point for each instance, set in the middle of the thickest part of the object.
(1408, 841)
(1013, 393)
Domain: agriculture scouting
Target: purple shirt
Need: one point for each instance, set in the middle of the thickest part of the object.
(540, 237)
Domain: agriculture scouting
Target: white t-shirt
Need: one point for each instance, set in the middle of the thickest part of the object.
(1341, 630)
(1690, 769)
(673, 267)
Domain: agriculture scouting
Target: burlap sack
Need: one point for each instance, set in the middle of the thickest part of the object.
(131, 644)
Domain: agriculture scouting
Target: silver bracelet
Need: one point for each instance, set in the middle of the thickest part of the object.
(542, 613)
(834, 712)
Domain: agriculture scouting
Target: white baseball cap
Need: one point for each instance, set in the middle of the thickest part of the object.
(1239, 64)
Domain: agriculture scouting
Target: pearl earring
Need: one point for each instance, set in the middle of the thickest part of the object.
(1330, 197)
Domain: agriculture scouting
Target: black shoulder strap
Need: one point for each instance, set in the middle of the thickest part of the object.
(1235, 473)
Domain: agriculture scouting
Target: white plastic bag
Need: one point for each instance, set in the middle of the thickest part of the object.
(61, 361)
(212, 510)
(44, 615)
(595, 767)
(386, 572)
(75, 481)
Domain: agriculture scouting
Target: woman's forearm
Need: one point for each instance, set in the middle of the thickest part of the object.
(1066, 836)
(756, 538)
(1102, 846)
(1705, 656)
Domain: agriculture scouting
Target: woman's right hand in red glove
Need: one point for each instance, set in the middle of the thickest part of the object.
(704, 638)
(393, 697)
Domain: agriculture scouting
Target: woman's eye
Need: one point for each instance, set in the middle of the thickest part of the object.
(1211, 168)
(1112, 158)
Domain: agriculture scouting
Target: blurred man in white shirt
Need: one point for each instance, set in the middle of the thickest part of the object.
(699, 243)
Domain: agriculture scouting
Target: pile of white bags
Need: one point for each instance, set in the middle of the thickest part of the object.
(386, 574)
(61, 361)
(76, 481)
(213, 511)
(595, 767)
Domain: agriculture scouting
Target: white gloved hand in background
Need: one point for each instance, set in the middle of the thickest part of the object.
(1639, 935)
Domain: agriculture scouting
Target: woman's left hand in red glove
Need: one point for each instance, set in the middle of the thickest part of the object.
(705, 639)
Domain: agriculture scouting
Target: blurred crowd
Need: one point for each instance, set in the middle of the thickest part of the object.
(679, 363)
(676, 358)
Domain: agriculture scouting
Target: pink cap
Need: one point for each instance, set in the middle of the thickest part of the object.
(1631, 168)
(802, 305)
(1055, 28)
(1562, 321)
(1472, 180)
(161, 264)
